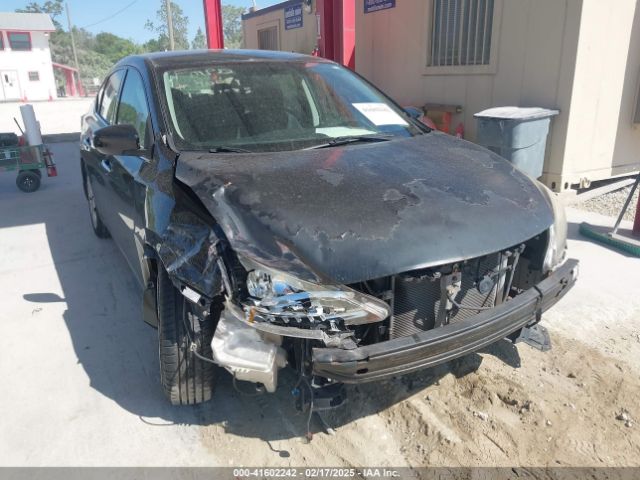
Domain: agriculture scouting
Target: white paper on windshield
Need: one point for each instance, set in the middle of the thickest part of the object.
(380, 114)
(334, 132)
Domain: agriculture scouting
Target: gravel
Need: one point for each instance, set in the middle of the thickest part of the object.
(610, 204)
(481, 415)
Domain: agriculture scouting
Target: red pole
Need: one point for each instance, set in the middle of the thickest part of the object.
(213, 23)
(80, 88)
(325, 10)
(70, 83)
(345, 33)
(338, 30)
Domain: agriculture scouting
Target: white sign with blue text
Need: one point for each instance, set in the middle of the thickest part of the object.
(375, 5)
(293, 16)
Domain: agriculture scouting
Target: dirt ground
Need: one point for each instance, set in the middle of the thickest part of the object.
(505, 406)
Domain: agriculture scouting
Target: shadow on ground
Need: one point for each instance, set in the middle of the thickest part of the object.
(119, 352)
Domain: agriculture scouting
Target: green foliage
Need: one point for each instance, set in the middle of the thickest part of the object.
(52, 7)
(180, 29)
(98, 53)
(93, 63)
(115, 47)
(232, 25)
(199, 41)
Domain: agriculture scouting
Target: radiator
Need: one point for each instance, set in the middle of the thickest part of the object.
(417, 298)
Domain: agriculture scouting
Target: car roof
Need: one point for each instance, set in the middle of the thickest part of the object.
(184, 58)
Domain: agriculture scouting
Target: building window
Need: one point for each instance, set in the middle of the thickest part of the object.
(461, 32)
(268, 38)
(19, 40)
(34, 76)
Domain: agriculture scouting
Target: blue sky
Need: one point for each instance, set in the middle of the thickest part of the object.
(130, 23)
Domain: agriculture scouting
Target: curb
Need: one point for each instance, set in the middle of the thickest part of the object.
(61, 137)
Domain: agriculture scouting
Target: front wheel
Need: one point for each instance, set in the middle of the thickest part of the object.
(186, 379)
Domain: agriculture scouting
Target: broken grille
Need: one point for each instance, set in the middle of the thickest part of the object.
(421, 300)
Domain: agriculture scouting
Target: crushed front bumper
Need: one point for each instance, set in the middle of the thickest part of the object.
(432, 347)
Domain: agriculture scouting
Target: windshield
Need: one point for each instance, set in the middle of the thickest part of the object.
(275, 106)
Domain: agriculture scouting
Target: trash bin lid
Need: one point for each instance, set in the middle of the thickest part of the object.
(517, 113)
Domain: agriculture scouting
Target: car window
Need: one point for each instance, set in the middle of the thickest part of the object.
(275, 106)
(99, 99)
(133, 108)
(110, 96)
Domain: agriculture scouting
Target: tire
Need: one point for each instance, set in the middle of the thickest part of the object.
(186, 379)
(37, 172)
(96, 222)
(28, 181)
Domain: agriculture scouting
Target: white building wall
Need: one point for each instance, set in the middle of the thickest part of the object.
(533, 56)
(23, 62)
(602, 140)
(579, 56)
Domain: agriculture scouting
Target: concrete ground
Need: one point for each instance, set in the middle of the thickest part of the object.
(80, 382)
(55, 117)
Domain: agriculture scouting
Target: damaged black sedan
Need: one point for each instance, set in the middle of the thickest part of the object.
(279, 210)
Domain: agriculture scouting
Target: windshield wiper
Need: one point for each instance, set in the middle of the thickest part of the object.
(226, 149)
(338, 141)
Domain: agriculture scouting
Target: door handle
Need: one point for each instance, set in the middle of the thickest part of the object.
(106, 165)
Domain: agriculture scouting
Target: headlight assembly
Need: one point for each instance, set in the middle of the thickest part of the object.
(557, 241)
(284, 300)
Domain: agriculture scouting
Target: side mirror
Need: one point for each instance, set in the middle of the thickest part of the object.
(117, 140)
(414, 112)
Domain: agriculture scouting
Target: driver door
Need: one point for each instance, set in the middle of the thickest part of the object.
(133, 109)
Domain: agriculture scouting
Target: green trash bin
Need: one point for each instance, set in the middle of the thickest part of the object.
(517, 134)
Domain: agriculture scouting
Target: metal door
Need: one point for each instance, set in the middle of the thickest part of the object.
(10, 84)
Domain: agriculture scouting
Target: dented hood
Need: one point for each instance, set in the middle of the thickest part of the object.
(354, 213)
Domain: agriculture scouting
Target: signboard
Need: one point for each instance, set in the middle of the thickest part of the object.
(375, 5)
(319, 32)
(293, 17)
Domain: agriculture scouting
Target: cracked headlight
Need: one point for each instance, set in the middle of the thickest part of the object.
(557, 244)
(285, 300)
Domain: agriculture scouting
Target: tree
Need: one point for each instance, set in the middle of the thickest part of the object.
(53, 7)
(93, 64)
(156, 45)
(180, 29)
(114, 47)
(199, 41)
(232, 25)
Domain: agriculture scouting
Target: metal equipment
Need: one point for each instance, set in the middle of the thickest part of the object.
(27, 161)
(629, 241)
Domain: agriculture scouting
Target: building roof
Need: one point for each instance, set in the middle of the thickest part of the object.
(28, 22)
(270, 8)
(61, 66)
